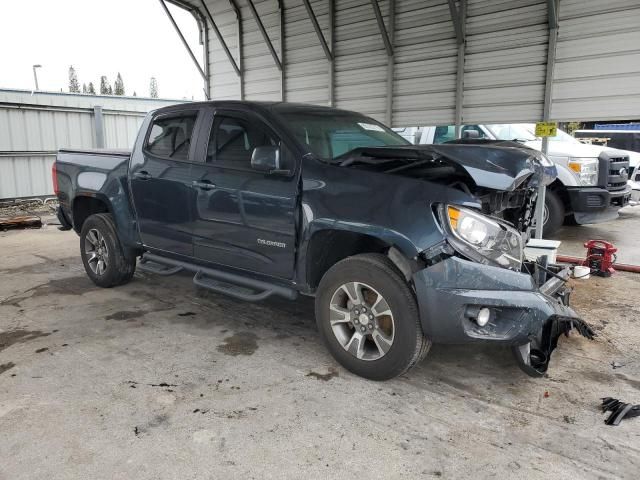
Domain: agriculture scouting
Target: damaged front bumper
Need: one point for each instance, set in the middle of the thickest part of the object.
(528, 317)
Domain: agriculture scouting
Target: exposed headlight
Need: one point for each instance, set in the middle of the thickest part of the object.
(586, 170)
(481, 238)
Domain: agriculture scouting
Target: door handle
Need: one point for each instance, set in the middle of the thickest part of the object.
(204, 185)
(142, 175)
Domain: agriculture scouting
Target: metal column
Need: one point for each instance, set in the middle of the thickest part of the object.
(391, 63)
(216, 30)
(332, 64)
(459, 18)
(98, 125)
(184, 41)
(238, 14)
(552, 9)
(328, 51)
(264, 34)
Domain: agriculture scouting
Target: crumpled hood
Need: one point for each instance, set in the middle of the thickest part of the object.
(498, 165)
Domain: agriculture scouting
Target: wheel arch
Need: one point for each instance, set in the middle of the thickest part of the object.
(84, 206)
(328, 246)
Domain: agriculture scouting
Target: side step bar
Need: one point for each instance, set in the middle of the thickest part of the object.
(238, 286)
(158, 268)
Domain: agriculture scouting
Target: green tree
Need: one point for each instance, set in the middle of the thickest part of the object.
(104, 85)
(153, 88)
(84, 88)
(74, 86)
(91, 89)
(118, 86)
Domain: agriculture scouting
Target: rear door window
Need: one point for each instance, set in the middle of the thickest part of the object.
(170, 136)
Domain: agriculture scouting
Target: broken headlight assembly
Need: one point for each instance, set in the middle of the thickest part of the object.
(481, 238)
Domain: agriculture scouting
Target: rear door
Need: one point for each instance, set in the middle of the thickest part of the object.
(244, 218)
(161, 182)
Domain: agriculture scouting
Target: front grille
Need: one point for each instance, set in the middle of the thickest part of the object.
(618, 173)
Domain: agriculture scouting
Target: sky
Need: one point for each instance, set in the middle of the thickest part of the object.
(98, 37)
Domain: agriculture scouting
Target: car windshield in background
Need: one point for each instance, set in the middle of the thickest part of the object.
(330, 134)
(512, 131)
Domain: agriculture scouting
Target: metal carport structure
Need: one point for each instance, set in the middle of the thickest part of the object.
(427, 62)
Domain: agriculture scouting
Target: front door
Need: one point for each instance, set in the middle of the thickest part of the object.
(161, 183)
(243, 217)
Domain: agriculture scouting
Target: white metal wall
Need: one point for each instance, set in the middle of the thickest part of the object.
(597, 71)
(425, 63)
(34, 126)
(505, 60)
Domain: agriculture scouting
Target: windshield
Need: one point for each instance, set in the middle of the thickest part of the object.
(512, 131)
(526, 132)
(332, 133)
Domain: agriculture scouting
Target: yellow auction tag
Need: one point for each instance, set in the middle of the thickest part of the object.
(546, 129)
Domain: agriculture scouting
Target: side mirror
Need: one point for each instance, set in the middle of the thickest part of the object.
(471, 134)
(267, 159)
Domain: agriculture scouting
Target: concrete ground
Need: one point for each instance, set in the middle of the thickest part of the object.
(157, 380)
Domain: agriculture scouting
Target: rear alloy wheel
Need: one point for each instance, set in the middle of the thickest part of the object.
(368, 317)
(105, 260)
(96, 252)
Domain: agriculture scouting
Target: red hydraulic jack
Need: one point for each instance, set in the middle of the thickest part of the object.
(601, 257)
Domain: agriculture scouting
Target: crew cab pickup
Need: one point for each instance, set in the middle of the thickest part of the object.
(591, 185)
(400, 245)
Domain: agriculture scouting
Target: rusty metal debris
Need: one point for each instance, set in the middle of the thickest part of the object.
(20, 221)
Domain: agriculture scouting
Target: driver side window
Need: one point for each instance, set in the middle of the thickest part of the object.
(233, 140)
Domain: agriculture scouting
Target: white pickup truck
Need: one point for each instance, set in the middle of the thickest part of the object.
(592, 180)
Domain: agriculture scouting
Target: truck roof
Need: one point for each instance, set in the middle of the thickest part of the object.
(277, 106)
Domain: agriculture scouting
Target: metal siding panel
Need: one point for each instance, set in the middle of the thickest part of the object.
(598, 61)
(505, 60)
(360, 58)
(46, 122)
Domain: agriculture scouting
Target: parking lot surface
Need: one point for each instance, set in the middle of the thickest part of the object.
(156, 379)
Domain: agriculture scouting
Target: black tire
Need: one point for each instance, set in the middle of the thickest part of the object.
(120, 265)
(555, 213)
(409, 344)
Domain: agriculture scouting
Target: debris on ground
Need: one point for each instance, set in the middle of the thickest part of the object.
(20, 221)
(619, 410)
(615, 365)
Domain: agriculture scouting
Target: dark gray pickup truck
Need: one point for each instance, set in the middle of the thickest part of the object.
(401, 245)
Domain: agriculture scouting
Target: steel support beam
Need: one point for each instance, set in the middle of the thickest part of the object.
(283, 60)
(552, 10)
(459, 18)
(264, 34)
(98, 125)
(332, 64)
(390, 63)
(383, 30)
(238, 14)
(458, 21)
(184, 41)
(216, 30)
(318, 30)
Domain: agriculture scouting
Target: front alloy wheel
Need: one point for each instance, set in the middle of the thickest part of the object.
(362, 321)
(368, 317)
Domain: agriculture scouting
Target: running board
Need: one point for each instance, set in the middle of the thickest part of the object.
(157, 268)
(237, 286)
